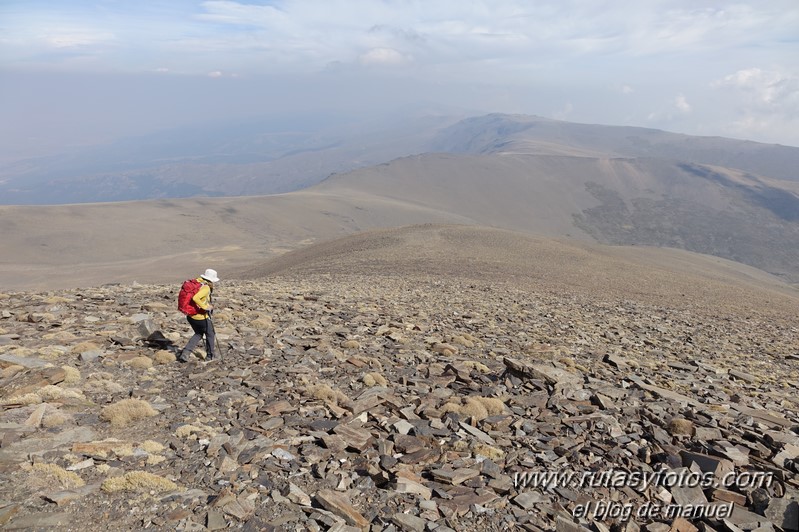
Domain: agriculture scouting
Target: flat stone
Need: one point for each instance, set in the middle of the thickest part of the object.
(35, 419)
(528, 499)
(707, 434)
(334, 442)
(25, 362)
(763, 416)
(721, 494)
(297, 496)
(338, 504)
(64, 497)
(406, 485)
(356, 438)
(403, 427)
(720, 467)
(616, 361)
(685, 495)
(241, 509)
(215, 520)
(90, 356)
(567, 525)
(461, 504)
(784, 513)
(408, 522)
(550, 374)
(682, 525)
(789, 453)
(664, 393)
(276, 408)
(454, 477)
(40, 520)
(7, 512)
(740, 375)
(743, 518)
(477, 433)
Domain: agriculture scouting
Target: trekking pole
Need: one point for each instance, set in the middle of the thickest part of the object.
(216, 340)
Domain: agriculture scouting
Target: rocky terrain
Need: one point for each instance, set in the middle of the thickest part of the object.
(362, 399)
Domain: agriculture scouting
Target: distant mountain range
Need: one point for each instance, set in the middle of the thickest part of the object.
(258, 157)
(733, 199)
(270, 157)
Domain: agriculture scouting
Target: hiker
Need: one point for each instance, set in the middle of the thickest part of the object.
(195, 302)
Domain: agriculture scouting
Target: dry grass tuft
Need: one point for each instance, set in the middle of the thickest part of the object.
(127, 411)
(478, 366)
(138, 481)
(55, 419)
(681, 427)
(492, 453)
(462, 340)
(72, 375)
(446, 350)
(100, 376)
(60, 336)
(155, 459)
(477, 408)
(374, 379)
(51, 352)
(323, 392)
(493, 405)
(184, 431)
(56, 393)
(151, 446)
(27, 399)
(140, 362)
(351, 344)
(262, 322)
(84, 347)
(52, 472)
(164, 357)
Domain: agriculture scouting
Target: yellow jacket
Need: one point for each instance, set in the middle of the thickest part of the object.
(203, 300)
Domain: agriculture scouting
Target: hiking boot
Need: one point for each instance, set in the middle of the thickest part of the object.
(209, 358)
(182, 358)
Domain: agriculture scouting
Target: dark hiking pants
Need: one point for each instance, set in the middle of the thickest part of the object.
(201, 328)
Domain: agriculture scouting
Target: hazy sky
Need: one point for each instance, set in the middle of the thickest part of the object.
(74, 72)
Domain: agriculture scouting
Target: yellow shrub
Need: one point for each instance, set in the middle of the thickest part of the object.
(127, 411)
(138, 481)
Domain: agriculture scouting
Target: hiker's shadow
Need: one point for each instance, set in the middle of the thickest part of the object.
(159, 341)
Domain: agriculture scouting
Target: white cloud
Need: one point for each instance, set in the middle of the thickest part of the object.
(59, 39)
(766, 102)
(766, 89)
(382, 56)
(682, 104)
(564, 112)
(626, 89)
(215, 74)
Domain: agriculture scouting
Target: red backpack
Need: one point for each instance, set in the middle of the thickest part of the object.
(187, 291)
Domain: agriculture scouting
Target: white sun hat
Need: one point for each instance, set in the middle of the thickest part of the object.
(210, 275)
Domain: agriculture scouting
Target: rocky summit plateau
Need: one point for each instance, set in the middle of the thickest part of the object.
(463, 386)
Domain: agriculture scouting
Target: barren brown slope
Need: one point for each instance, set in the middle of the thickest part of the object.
(711, 210)
(749, 219)
(663, 276)
(49, 247)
